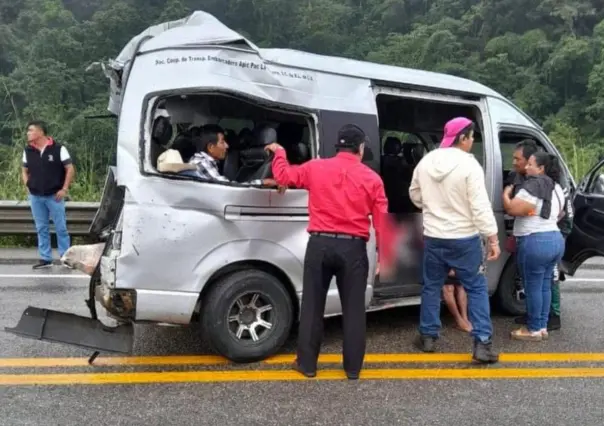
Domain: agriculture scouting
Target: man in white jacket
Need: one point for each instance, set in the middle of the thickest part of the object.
(449, 186)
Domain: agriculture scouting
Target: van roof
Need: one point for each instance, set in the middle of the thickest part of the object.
(200, 28)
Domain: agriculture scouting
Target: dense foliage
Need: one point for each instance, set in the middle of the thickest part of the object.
(547, 55)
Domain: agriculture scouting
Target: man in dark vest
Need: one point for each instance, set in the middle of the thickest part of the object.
(47, 173)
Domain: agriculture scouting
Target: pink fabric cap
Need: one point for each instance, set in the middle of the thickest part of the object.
(452, 129)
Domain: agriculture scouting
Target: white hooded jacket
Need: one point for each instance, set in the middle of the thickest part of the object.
(449, 186)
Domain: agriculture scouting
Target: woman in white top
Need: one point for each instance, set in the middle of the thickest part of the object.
(537, 206)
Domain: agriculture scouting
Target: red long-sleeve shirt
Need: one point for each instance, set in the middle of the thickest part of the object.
(343, 192)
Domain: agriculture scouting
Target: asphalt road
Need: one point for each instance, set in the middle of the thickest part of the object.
(559, 381)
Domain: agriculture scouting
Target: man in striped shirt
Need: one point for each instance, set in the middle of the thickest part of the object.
(212, 147)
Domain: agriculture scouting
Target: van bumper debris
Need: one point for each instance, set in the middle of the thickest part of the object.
(63, 327)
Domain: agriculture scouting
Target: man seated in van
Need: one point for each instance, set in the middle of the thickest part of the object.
(211, 148)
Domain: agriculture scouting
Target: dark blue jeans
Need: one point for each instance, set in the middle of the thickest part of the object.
(465, 256)
(44, 209)
(537, 256)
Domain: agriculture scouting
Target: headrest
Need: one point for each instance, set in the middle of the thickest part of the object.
(392, 146)
(302, 152)
(407, 149)
(290, 132)
(413, 152)
(195, 131)
(418, 152)
(254, 155)
(245, 138)
(231, 137)
(264, 135)
(162, 130)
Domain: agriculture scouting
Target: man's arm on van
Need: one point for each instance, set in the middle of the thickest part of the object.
(286, 174)
(482, 212)
(415, 193)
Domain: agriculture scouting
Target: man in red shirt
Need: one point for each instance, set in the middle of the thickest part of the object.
(343, 193)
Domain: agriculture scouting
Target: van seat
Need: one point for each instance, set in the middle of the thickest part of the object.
(255, 161)
(393, 170)
(232, 162)
(161, 133)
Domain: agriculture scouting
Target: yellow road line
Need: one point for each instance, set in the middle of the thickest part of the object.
(289, 358)
(276, 375)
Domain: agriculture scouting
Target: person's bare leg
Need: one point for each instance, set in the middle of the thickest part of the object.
(462, 304)
(449, 296)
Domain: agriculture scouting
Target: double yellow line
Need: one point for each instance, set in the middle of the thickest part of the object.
(93, 378)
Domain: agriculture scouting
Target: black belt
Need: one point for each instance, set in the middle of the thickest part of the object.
(339, 236)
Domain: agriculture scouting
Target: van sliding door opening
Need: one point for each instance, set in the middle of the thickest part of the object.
(409, 128)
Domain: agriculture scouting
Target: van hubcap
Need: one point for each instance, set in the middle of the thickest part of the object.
(250, 317)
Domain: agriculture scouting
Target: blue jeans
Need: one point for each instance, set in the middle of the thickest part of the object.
(44, 208)
(537, 256)
(465, 256)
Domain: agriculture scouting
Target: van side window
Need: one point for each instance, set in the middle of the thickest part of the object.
(245, 125)
(409, 128)
(507, 146)
(596, 186)
(478, 148)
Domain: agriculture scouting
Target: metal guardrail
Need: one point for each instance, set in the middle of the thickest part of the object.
(16, 218)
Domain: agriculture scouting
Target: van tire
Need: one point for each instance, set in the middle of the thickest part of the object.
(505, 294)
(221, 302)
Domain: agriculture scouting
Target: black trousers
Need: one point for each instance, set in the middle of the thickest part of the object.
(346, 259)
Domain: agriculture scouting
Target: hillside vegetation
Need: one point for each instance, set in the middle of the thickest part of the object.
(546, 55)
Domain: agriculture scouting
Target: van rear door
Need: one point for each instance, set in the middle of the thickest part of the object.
(586, 239)
(111, 205)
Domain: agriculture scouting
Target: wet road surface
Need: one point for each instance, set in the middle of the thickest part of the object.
(172, 377)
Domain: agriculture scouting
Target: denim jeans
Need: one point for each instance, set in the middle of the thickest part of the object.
(465, 256)
(538, 254)
(44, 208)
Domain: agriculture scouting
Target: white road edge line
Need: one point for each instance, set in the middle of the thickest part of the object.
(44, 276)
(78, 276)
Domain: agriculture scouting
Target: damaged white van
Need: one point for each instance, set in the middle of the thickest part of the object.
(227, 258)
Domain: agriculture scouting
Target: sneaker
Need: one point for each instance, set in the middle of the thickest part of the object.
(554, 322)
(42, 264)
(528, 336)
(425, 343)
(544, 334)
(483, 353)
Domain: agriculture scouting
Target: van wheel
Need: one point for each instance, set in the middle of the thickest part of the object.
(510, 292)
(247, 316)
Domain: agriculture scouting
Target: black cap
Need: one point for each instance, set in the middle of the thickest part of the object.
(351, 136)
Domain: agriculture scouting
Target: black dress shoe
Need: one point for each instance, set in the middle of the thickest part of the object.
(425, 343)
(309, 374)
(352, 375)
